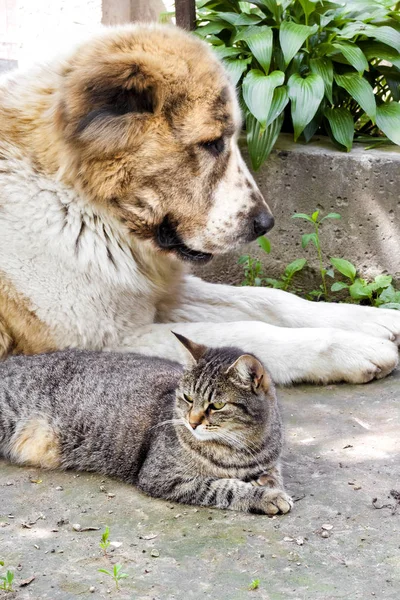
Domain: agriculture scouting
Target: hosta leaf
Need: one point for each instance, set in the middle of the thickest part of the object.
(235, 69)
(353, 55)
(210, 28)
(360, 90)
(308, 6)
(259, 40)
(258, 91)
(279, 102)
(306, 95)
(344, 267)
(387, 35)
(342, 126)
(323, 67)
(261, 141)
(237, 19)
(226, 51)
(374, 50)
(388, 120)
(292, 36)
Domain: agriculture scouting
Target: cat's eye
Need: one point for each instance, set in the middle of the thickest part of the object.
(187, 398)
(217, 405)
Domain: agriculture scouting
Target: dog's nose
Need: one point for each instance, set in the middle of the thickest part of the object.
(262, 223)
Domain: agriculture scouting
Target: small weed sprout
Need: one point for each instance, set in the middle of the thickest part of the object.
(6, 581)
(104, 544)
(115, 574)
(314, 238)
(255, 584)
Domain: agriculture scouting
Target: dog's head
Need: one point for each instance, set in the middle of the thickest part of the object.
(152, 122)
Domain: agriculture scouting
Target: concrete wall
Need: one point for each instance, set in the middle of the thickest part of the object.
(363, 186)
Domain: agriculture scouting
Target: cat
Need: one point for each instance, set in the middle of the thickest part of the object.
(209, 434)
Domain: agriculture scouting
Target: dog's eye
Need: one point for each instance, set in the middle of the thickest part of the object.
(217, 405)
(187, 398)
(214, 147)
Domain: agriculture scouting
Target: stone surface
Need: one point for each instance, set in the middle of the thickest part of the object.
(363, 186)
(343, 450)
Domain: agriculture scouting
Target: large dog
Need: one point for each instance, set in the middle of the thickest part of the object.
(118, 164)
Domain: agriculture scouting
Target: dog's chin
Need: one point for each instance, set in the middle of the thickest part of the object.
(168, 239)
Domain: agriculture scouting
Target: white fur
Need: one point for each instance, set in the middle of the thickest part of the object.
(89, 302)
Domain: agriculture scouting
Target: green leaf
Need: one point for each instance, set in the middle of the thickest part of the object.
(383, 281)
(388, 120)
(359, 290)
(237, 19)
(225, 51)
(342, 126)
(338, 286)
(261, 141)
(344, 267)
(211, 28)
(394, 305)
(331, 216)
(264, 243)
(104, 571)
(235, 69)
(306, 238)
(353, 55)
(360, 90)
(373, 50)
(258, 91)
(389, 294)
(292, 36)
(295, 266)
(385, 34)
(302, 216)
(314, 216)
(259, 39)
(278, 104)
(308, 6)
(306, 95)
(323, 67)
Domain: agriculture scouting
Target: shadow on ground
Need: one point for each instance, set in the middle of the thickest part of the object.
(342, 451)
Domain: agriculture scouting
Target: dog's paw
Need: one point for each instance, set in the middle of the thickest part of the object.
(359, 358)
(275, 502)
(380, 322)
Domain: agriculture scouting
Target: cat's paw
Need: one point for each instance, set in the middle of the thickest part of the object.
(275, 502)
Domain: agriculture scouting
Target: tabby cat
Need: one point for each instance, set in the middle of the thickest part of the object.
(207, 435)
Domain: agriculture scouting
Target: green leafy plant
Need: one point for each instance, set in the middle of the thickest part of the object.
(314, 238)
(105, 543)
(309, 66)
(285, 280)
(115, 574)
(255, 584)
(6, 581)
(379, 292)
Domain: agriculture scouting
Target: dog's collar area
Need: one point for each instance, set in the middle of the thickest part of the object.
(168, 238)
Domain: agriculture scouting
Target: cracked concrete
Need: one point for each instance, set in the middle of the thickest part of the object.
(342, 451)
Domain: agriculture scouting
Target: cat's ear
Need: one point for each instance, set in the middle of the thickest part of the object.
(196, 351)
(250, 372)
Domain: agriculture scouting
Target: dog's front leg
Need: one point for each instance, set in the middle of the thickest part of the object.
(303, 354)
(200, 301)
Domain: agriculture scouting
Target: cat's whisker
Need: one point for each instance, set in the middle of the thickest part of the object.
(169, 422)
(238, 443)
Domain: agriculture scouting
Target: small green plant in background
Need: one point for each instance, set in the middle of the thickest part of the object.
(255, 584)
(307, 67)
(379, 292)
(116, 574)
(6, 581)
(105, 543)
(314, 238)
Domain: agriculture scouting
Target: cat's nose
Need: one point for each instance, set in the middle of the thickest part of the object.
(194, 424)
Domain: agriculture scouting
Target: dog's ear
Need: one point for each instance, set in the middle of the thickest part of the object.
(108, 108)
(196, 351)
(249, 372)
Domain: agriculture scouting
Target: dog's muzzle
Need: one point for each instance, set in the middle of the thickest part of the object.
(167, 238)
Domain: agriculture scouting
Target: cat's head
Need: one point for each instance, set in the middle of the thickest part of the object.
(224, 396)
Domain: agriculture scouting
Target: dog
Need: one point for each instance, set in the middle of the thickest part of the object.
(119, 167)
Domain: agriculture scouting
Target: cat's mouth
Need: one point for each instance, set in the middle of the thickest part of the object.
(168, 238)
(201, 433)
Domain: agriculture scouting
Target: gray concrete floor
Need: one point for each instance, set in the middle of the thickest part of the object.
(342, 451)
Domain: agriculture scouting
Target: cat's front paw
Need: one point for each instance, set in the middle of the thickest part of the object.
(275, 502)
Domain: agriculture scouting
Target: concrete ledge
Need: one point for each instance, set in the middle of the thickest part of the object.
(363, 186)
